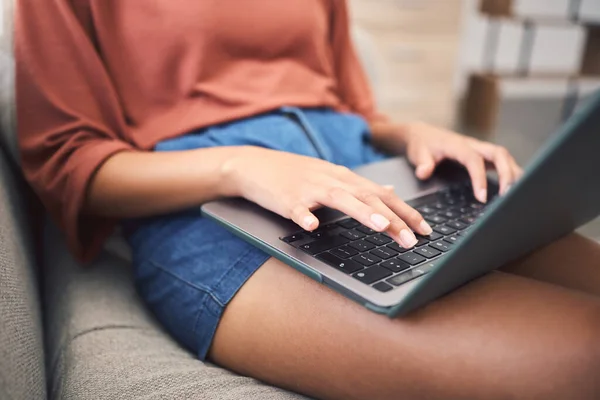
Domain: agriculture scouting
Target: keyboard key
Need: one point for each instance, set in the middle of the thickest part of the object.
(439, 205)
(353, 234)
(413, 273)
(348, 223)
(421, 242)
(327, 243)
(444, 230)
(433, 236)
(435, 219)
(476, 206)
(441, 246)
(366, 230)
(450, 214)
(396, 247)
(344, 252)
(425, 210)
(394, 265)
(379, 240)
(366, 259)
(412, 258)
(457, 225)
(323, 231)
(326, 228)
(294, 238)
(372, 274)
(464, 210)
(427, 267)
(383, 287)
(318, 235)
(362, 245)
(452, 239)
(467, 220)
(403, 278)
(384, 252)
(347, 266)
(428, 252)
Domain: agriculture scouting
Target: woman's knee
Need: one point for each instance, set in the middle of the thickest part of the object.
(568, 366)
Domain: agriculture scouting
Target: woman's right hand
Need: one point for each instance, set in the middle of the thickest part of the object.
(293, 186)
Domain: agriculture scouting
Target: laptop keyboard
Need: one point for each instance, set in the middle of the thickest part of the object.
(375, 259)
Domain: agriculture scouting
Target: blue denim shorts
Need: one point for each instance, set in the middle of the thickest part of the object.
(187, 268)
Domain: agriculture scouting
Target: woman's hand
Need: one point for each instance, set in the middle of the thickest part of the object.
(293, 186)
(426, 146)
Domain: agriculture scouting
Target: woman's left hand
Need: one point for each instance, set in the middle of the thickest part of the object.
(426, 146)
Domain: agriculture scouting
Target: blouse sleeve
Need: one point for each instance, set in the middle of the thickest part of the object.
(353, 87)
(69, 117)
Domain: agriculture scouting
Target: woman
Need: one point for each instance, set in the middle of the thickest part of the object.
(140, 111)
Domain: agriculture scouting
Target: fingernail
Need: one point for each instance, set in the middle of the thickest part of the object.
(380, 221)
(482, 195)
(309, 222)
(425, 228)
(389, 187)
(407, 238)
(421, 170)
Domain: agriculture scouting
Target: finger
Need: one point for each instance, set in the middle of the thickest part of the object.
(424, 162)
(412, 217)
(342, 200)
(398, 229)
(302, 216)
(505, 164)
(475, 165)
(505, 171)
(517, 170)
(362, 187)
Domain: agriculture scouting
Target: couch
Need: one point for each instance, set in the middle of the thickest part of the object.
(74, 332)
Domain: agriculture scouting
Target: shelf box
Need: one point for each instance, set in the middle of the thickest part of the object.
(528, 9)
(485, 93)
(589, 12)
(558, 49)
(591, 56)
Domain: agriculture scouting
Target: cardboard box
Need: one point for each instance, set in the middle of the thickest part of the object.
(558, 50)
(485, 93)
(589, 11)
(591, 57)
(552, 49)
(508, 50)
(528, 9)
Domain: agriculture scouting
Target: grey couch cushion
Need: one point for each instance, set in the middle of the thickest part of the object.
(21, 344)
(103, 344)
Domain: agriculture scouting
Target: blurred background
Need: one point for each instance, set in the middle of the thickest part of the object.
(509, 71)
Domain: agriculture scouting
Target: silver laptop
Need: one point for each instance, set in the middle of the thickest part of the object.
(559, 191)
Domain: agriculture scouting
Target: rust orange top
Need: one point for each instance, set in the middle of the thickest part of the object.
(95, 77)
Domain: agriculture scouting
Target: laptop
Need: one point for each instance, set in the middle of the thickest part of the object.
(559, 191)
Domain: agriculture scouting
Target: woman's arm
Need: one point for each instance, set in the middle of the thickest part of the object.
(137, 184)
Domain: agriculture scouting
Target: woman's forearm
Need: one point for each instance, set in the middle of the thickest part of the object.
(136, 184)
(388, 136)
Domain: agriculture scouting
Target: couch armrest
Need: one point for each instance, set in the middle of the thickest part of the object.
(22, 373)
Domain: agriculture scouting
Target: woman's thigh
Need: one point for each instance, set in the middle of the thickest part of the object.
(572, 262)
(502, 336)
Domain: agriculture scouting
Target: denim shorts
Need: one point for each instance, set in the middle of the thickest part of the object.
(187, 268)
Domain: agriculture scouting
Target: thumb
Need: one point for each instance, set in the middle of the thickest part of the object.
(424, 163)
